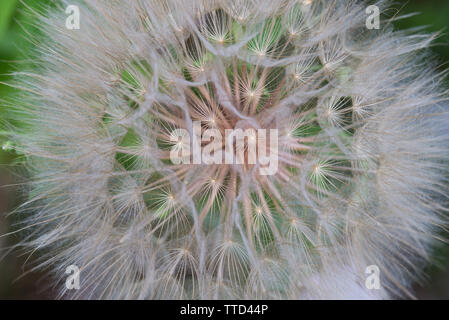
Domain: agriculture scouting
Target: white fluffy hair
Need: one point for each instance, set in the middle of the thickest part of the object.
(363, 160)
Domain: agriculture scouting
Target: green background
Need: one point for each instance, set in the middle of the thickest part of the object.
(14, 49)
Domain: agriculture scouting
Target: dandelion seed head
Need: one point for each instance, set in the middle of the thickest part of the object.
(363, 135)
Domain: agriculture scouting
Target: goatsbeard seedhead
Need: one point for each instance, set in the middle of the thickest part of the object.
(362, 150)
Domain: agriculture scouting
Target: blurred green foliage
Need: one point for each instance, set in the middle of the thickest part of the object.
(11, 42)
(6, 10)
(15, 46)
(431, 13)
